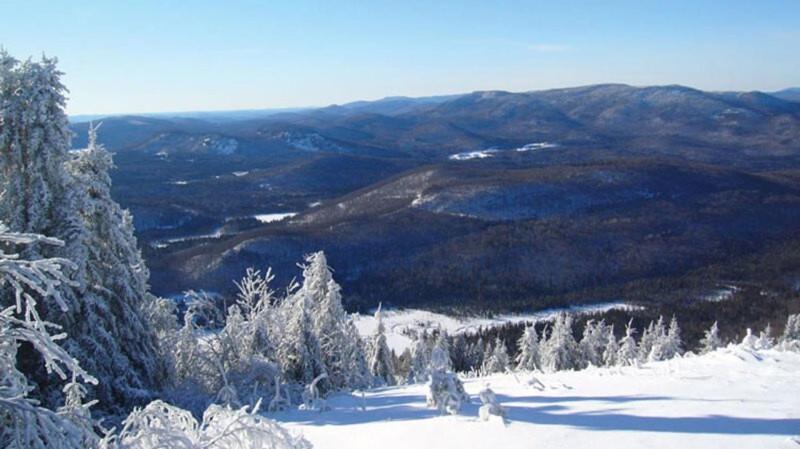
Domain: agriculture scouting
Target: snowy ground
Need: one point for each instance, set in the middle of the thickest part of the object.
(729, 399)
(401, 323)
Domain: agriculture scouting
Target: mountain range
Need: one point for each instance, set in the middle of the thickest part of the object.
(490, 200)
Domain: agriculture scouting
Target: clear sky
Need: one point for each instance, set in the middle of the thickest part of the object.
(156, 56)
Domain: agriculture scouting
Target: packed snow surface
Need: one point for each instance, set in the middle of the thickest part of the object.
(269, 218)
(732, 398)
(401, 324)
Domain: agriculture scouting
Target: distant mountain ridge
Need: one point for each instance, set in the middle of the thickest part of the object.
(495, 199)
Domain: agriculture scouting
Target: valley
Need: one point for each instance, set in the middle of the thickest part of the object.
(486, 202)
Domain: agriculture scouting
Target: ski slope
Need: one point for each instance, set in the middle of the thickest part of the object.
(733, 398)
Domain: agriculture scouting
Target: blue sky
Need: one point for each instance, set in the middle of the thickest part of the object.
(155, 56)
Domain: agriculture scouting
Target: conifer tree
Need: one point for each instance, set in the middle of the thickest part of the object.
(528, 357)
(628, 352)
(611, 351)
(560, 351)
(48, 190)
(711, 341)
(381, 363)
(497, 361)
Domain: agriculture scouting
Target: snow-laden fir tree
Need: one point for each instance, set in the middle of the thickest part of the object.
(528, 356)
(497, 361)
(114, 290)
(710, 341)
(560, 351)
(790, 339)
(628, 352)
(24, 423)
(420, 359)
(666, 344)
(445, 390)
(47, 190)
(298, 349)
(651, 337)
(611, 351)
(381, 363)
(342, 352)
(593, 343)
(476, 353)
(442, 342)
(765, 340)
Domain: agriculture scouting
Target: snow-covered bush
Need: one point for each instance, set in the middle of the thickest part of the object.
(749, 341)
(445, 390)
(490, 405)
(161, 425)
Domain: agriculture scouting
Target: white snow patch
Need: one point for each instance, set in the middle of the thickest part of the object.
(536, 146)
(401, 324)
(731, 398)
(315, 204)
(482, 154)
(722, 294)
(269, 218)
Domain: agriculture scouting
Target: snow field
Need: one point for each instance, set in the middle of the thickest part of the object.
(731, 398)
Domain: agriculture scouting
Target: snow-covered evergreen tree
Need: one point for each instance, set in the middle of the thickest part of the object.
(790, 339)
(593, 343)
(765, 340)
(560, 351)
(611, 351)
(711, 341)
(476, 353)
(381, 363)
(342, 355)
(528, 356)
(445, 390)
(47, 190)
(628, 352)
(651, 339)
(299, 350)
(420, 359)
(666, 344)
(497, 361)
(115, 287)
(25, 424)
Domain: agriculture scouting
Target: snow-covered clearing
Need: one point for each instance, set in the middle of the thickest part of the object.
(269, 218)
(400, 324)
(732, 398)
